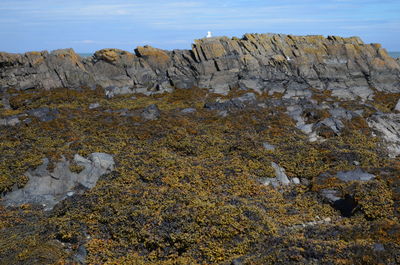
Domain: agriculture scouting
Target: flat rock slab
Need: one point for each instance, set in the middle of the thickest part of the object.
(354, 175)
(47, 188)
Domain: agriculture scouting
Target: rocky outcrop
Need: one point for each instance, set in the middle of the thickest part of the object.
(387, 126)
(292, 65)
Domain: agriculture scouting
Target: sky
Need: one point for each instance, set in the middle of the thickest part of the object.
(90, 25)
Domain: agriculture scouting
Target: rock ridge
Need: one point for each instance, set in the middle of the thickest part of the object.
(271, 63)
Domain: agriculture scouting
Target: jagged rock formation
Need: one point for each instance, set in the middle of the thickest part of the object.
(292, 65)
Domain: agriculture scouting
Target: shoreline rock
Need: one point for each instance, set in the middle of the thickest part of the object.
(273, 63)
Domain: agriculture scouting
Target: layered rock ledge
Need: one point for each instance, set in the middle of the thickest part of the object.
(273, 63)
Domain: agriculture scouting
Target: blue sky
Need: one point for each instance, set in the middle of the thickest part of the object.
(88, 25)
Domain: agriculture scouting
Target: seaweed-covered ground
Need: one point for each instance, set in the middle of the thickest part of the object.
(190, 183)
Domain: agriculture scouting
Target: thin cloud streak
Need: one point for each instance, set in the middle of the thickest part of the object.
(162, 22)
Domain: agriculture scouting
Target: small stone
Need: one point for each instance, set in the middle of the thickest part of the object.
(151, 113)
(223, 113)
(94, 105)
(379, 247)
(268, 147)
(327, 220)
(280, 174)
(296, 181)
(356, 163)
(188, 110)
(397, 107)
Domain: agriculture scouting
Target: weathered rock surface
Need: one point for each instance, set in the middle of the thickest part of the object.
(281, 179)
(44, 114)
(264, 62)
(10, 121)
(151, 113)
(354, 175)
(388, 127)
(48, 187)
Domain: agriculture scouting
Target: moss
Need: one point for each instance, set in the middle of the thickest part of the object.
(385, 102)
(76, 168)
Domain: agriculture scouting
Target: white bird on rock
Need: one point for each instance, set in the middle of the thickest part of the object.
(209, 34)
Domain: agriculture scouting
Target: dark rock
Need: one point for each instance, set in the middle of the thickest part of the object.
(347, 206)
(151, 113)
(44, 114)
(238, 261)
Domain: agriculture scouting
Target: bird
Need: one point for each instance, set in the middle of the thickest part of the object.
(209, 34)
(288, 58)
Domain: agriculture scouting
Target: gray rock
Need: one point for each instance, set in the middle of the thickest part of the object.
(151, 113)
(188, 110)
(331, 195)
(387, 126)
(354, 175)
(44, 114)
(334, 124)
(5, 102)
(397, 107)
(280, 174)
(10, 121)
(268, 147)
(248, 99)
(264, 62)
(94, 105)
(379, 247)
(296, 181)
(47, 188)
(81, 254)
(113, 91)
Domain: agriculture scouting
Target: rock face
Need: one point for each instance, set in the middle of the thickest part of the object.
(47, 188)
(271, 63)
(388, 127)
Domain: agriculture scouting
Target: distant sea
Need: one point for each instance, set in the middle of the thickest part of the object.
(85, 54)
(395, 54)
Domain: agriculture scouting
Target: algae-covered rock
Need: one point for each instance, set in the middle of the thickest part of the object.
(48, 187)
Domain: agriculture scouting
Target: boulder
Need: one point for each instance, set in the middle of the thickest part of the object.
(48, 187)
(151, 113)
(10, 121)
(354, 175)
(44, 114)
(388, 127)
